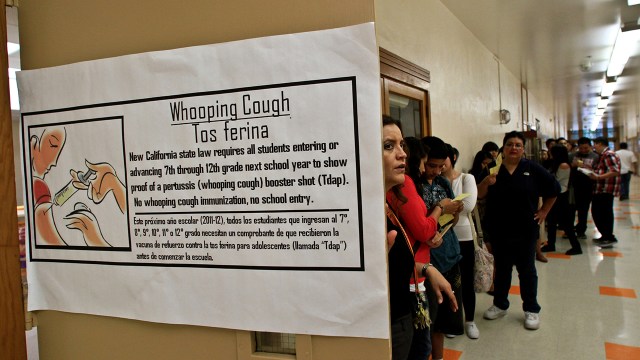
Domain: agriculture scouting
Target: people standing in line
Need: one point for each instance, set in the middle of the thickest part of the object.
(582, 184)
(560, 212)
(628, 163)
(446, 257)
(421, 229)
(549, 143)
(465, 184)
(513, 220)
(607, 187)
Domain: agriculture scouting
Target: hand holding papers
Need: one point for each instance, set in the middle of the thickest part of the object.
(495, 169)
(585, 171)
(445, 219)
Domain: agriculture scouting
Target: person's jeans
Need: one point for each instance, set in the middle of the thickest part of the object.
(602, 212)
(624, 185)
(522, 254)
(583, 201)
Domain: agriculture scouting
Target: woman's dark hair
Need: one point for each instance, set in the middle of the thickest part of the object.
(415, 153)
(513, 134)
(455, 154)
(490, 146)
(559, 155)
(476, 168)
(388, 120)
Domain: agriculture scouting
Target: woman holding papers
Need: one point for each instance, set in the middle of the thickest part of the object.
(560, 213)
(464, 185)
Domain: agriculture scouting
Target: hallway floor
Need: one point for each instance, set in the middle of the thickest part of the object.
(590, 308)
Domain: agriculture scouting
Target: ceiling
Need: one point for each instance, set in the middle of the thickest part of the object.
(545, 41)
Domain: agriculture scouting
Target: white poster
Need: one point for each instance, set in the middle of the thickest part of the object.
(235, 185)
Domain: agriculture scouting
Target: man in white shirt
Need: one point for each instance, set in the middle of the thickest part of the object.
(628, 162)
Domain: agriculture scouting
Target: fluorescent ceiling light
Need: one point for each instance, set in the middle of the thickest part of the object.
(13, 48)
(625, 43)
(633, 2)
(603, 102)
(608, 86)
(599, 113)
(595, 122)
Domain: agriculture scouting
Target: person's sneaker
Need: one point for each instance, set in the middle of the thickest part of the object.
(573, 251)
(605, 244)
(548, 248)
(449, 336)
(531, 320)
(582, 236)
(472, 330)
(494, 312)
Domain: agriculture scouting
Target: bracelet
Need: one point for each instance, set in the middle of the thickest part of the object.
(424, 269)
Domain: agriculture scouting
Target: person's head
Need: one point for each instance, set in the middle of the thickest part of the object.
(438, 154)
(623, 145)
(544, 155)
(492, 148)
(562, 141)
(570, 146)
(393, 154)
(416, 157)
(549, 143)
(513, 145)
(559, 154)
(481, 161)
(599, 144)
(45, 149)
(584, 145)
(450, 161)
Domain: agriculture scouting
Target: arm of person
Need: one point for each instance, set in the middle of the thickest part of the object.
(483, 187)
(469, 187)
(414, 217)
(439, 284)
(45, 225)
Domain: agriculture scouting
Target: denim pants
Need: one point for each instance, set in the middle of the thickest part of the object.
(624, 185)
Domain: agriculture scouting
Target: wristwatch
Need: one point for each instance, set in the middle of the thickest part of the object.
(424, 269)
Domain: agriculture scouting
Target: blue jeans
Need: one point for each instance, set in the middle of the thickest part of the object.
(624, 185)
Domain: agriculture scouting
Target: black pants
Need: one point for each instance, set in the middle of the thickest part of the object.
(583, 201)
(520, 252)
(561, 214)
(602, 212)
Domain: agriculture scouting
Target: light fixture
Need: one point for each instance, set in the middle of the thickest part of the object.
(627, 36)
(633, 2)
(505, 116)
(608, 85)
(603, 102)
(599, 112)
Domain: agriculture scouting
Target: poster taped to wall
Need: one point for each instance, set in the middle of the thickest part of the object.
(234, 185)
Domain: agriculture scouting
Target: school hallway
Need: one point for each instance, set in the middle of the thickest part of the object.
(590, 306)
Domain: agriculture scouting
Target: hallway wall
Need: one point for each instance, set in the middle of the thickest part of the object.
(466, 90)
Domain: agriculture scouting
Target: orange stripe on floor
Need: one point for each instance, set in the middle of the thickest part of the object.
(620, 352)
(617, 209)
(613, 291)
(590, 221)
(557, 256)
(611, 253)
(635, 227)
(452, 354)
(515, 290)
(620, 218)
(632, 212)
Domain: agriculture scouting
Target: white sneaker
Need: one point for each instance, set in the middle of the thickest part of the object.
(449, 336)
(472, 330)
(531, 320)
(494, 312)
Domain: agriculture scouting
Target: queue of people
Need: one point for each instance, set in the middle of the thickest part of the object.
(431, 231)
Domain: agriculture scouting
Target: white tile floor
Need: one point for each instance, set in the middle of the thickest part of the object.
(576, 321)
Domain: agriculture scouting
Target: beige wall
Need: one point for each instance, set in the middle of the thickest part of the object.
(56, 32)
(465, 92)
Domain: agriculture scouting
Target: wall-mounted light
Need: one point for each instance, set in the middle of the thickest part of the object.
(608, 85)
(505, 116)
(627, 36)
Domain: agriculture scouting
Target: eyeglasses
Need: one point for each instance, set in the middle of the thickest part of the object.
(514, 145)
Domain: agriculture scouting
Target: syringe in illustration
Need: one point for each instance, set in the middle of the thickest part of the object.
(67, 192)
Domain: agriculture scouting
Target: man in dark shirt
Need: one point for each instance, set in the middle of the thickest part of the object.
(581, 183)
(513, 221)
